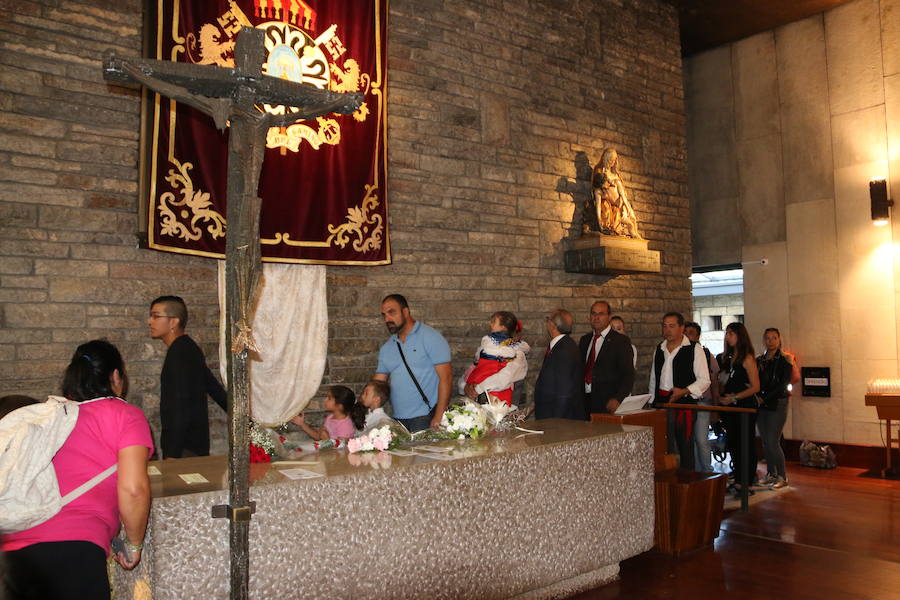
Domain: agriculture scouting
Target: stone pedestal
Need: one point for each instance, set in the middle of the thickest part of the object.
(656, 420)
(610, 255)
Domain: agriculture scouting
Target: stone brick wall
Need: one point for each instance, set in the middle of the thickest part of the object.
(497, 110)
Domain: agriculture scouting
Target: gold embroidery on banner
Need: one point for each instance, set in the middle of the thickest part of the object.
(291, 137)
(285, 238)
(212, 50)
(363, 228)
(361, 221)
(193, 207)
(351, 80)
(366, 226)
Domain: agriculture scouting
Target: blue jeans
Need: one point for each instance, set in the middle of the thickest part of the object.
(770, 424)
(415, 424)
(702, 453)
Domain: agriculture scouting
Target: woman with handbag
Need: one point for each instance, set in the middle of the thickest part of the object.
(775, 374)
(65, 556)
(741, 384)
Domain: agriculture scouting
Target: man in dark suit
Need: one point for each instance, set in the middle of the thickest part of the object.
(608, 362)
(557, 392)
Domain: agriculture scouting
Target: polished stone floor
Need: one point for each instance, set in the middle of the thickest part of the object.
(835, 535)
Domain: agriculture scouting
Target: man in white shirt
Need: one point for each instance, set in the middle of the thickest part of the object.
(679, 374)
(608, 362)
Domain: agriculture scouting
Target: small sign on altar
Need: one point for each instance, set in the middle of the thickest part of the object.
(299, 473)
(401, 452)
(190, 478)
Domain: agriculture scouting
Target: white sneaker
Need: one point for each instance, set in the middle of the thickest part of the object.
(769, 480)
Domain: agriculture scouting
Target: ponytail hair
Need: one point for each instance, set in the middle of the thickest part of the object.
(88, 374)
(347, 399)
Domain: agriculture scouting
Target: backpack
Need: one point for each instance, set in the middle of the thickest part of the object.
(29, 439)
(818, 456)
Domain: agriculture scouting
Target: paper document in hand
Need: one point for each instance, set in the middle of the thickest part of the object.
(633, 404)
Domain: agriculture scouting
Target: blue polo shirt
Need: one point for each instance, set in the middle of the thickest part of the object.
(424, 348)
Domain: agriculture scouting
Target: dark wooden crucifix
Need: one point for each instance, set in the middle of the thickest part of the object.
(231, 97)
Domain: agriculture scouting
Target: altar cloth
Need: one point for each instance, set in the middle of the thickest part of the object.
(511, 515)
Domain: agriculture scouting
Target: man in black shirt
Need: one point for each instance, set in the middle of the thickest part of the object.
(184, 383)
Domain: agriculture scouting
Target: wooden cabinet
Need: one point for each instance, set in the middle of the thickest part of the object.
(688, 509)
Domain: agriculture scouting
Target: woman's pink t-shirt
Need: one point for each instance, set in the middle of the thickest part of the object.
(104, 427)
(339, 428)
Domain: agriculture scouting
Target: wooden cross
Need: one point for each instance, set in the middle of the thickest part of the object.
(230, 97)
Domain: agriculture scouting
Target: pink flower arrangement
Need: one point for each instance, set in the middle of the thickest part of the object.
(378, 439)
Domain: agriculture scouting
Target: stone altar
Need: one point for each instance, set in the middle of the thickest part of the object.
(524, 516)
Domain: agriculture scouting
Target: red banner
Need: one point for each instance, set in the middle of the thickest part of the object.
(323, 182)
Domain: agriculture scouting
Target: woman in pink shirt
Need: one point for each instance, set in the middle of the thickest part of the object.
(65, 556)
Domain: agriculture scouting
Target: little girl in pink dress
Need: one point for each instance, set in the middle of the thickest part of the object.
(347, 416)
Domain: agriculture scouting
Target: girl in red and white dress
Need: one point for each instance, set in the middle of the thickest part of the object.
(499, 362)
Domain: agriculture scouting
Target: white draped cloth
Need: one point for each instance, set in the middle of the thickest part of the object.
(290, 326)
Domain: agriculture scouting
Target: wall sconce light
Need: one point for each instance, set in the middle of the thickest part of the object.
(881, 206)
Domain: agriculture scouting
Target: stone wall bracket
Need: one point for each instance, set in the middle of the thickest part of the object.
(599, 254)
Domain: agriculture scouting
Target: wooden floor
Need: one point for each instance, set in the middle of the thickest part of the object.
(835, 535)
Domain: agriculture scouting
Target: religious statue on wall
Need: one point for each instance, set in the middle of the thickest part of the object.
(614, 214)
(610, 243)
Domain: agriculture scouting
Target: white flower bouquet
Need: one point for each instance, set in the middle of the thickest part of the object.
(465, 420)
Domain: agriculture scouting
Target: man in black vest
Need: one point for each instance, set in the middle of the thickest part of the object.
(679, 374)
(557, 392)
(608, 362)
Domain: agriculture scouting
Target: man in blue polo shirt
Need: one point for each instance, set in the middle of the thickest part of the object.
(420, 388)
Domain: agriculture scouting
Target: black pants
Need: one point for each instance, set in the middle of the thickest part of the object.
(732, 423)
(680, 425)
(57, 571)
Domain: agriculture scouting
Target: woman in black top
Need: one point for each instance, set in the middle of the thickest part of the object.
(775, 370)
(739, 389)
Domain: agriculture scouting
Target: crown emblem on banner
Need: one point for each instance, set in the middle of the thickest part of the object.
(296, 12)
(292, 53)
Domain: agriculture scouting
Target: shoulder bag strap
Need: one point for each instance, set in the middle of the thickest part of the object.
(415, 381)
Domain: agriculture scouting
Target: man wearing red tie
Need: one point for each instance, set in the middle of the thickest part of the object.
(557, 392)
(608, 362)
